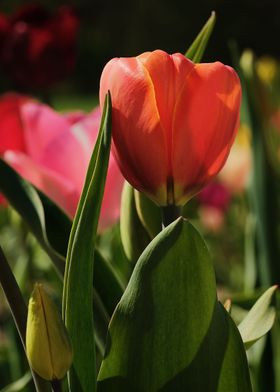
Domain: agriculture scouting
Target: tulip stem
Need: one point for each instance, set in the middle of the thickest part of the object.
(169, 214)
(19, 311)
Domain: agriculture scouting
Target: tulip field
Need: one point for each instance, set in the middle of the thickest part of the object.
(139, 224)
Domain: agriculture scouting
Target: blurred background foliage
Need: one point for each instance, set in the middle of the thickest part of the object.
(127, 28)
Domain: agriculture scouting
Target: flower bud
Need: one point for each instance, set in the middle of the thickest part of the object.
(48, 348)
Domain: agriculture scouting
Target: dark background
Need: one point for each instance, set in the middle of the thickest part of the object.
(126, 28)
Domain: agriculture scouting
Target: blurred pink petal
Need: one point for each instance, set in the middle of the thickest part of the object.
(55, 154)
(57, 188)
(41, 125)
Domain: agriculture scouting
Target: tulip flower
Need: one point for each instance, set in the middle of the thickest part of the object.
(214, 201)
(36, 47)
(174, 122)
(52, 151)
(48, 348)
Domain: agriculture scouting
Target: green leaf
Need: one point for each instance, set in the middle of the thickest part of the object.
(78, 291)
(107, 283)
(259, 319)
(18, 385)
(51, 227)
(46, 221)
(168, 332)
(133, 235)
(264, 183)
(197, 48)
(19, 311)
(111, 247)
(149, 213)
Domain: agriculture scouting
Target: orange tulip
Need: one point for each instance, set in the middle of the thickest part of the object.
(174, 121)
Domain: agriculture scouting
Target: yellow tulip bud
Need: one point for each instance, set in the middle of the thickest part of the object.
(48, 347)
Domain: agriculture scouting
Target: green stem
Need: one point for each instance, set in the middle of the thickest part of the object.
(14, 297)
(19, 311)
(169, 214)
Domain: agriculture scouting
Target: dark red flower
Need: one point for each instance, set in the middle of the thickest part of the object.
(37, 48)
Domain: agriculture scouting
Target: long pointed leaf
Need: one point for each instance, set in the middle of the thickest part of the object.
(78, 291)
(197, 48)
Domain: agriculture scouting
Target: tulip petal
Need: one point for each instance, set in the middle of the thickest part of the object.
(167, 80)
(52, 184)
(139, 142)
(53, 144)
(205, 123)
(56, 150)
(41, 125)
(11, 134)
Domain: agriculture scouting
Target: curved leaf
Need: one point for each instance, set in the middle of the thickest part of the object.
(18, 385)
(46, 221)
(259, 319)
(168, 332)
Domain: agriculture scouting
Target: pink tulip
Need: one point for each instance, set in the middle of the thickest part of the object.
(54, 154)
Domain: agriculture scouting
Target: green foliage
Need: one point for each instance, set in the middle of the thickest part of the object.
(18, 385)
(133, 235)
(149, 213)
(51, 227)
(78, 290)
(45, 220)
(259, 319)
(197, 48)
(169, 332)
